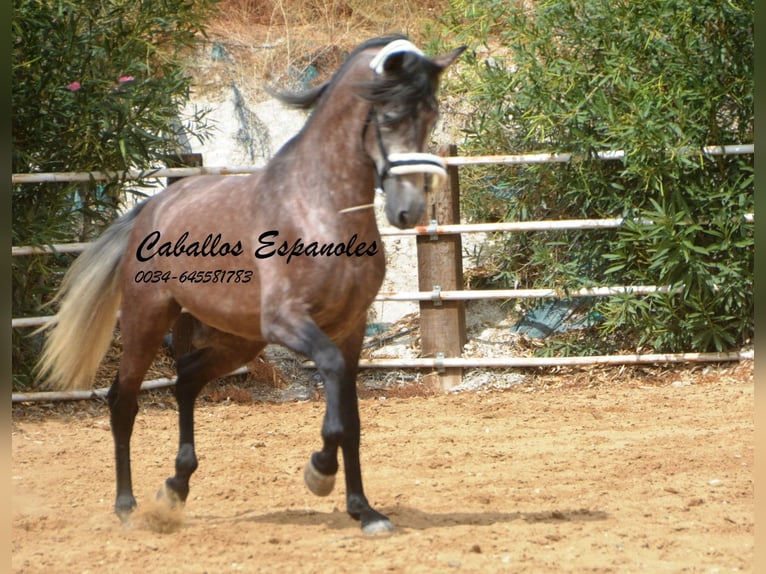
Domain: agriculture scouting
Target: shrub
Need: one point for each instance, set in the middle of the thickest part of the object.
(97, 86)
(658, 79)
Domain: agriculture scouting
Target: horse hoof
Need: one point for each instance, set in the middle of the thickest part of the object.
(124, 515)
(123, 508)
(380, 526)
(318, 483)
(169, 497)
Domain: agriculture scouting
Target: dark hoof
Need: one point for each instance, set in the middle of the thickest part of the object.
(169, 496)
(318, 483)
(123, 507)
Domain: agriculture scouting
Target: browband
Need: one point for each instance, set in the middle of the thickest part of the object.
(395, 47)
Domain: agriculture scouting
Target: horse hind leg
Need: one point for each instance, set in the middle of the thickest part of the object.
(123, 407)
(141, 337)
(195, 369)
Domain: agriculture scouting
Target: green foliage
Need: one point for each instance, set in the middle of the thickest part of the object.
(97, 86)
(658, 79)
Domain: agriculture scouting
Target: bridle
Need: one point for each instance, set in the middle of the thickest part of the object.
(404, 163)
(397, 163)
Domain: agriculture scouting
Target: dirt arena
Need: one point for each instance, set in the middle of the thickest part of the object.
(650, 473)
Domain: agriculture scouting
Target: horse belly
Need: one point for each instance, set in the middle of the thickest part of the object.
(232, 307)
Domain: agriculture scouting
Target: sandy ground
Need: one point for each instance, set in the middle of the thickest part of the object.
(566, 473)
(583, 471)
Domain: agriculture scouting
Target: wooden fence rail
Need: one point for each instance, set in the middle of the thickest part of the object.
(441, 295)
(529, 158)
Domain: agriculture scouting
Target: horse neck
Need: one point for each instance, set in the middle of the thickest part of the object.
(330, 152)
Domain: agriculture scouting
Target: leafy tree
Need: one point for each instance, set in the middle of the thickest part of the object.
(659, 79)
(97, 86)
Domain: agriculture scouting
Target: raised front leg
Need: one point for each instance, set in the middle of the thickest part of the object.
(341, 426)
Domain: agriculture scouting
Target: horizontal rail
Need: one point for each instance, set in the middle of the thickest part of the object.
(508, 227)
(436, 364)
(528, 362)
(529, 158)
(466, 295)
(459, 296)
(31, 321)
(43, 249)
(519, 226)
(131, 174)
(97, 393)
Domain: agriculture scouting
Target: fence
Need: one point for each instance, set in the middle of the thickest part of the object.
(439, 254)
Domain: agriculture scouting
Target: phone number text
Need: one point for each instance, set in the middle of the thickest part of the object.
(216, 276)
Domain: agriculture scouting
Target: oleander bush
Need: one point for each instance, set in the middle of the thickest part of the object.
(657, 79)
(97, 86)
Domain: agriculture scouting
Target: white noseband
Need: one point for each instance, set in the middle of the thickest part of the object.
(406, 163)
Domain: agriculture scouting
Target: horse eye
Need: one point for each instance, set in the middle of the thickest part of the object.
(391, 117)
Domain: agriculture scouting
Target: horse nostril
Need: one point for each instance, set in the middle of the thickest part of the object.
(403, 218)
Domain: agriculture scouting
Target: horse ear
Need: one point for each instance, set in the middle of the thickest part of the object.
(393, 62)
(445, 60)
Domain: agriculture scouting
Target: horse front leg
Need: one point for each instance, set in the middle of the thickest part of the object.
(357, 505)
(322, 466)
(340, 426)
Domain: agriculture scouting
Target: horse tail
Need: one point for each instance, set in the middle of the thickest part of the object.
(90, 294)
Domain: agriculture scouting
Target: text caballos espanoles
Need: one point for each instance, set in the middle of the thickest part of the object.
(153, 245)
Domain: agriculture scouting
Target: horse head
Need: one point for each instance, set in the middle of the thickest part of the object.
(403, 110)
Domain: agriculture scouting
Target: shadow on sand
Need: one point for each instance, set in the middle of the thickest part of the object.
(407, 518)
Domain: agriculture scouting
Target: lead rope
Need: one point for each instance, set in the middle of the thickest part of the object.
(357, 208)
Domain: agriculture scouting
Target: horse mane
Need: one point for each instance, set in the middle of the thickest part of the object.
(300, 100)
(413, 82)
